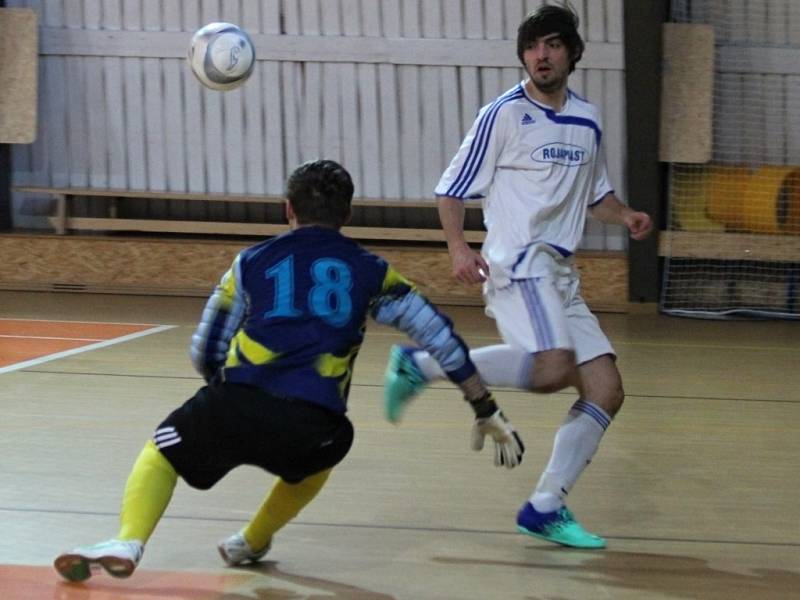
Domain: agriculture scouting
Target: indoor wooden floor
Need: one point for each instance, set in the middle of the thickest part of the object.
(696, 485)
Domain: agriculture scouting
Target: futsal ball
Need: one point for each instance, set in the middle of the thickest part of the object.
(221, 56)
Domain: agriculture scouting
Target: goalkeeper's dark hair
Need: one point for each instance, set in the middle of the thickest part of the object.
(320, 191)
(548, 19)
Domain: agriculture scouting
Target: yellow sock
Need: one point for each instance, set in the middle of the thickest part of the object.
(284, 502)
(147, 494)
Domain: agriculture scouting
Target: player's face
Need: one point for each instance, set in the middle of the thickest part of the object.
(547, 62)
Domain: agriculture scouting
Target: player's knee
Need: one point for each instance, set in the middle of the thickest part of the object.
(553, 370)
(610, 399)
(617, 399)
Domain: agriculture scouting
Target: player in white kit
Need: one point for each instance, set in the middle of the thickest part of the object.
(535, 157)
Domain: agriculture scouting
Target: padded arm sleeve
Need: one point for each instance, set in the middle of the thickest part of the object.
(222, 316)
(411, 313)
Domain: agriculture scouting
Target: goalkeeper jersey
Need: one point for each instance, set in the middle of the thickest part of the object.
(537, 171)
(289, 317)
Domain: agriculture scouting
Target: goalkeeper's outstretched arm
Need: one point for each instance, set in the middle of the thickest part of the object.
(410, 312)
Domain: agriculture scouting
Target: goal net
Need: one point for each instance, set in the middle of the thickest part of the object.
(732, 241)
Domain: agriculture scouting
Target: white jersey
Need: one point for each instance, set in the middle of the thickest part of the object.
(537, 171)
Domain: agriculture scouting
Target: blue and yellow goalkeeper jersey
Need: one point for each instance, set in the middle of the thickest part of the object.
(290, 314)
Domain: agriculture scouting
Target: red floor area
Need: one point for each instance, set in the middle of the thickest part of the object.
(22, 340)
(22, 582)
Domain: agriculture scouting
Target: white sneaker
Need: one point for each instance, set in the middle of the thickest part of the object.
(118, 558)
(235, 550)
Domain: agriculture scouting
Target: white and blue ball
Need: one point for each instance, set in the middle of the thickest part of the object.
(221, 56)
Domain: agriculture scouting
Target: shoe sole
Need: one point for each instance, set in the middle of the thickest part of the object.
(225, 557)
(255, 559)
(76, 567)
(594, 546)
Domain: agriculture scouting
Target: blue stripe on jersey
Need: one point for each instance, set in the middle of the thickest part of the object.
(594, 411)
(521, 256)
(569, 120)
(562, 251)
(477, 151)
(571, 93)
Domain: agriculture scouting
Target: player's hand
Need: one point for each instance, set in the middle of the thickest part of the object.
(508, 447)
(639, 224)
(468, 266)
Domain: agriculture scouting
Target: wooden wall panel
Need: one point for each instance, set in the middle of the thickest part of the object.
(192, 268)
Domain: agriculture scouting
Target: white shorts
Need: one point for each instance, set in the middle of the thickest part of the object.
(545, 313)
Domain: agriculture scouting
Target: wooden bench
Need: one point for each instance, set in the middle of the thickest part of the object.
(193, 263)
(64, 221)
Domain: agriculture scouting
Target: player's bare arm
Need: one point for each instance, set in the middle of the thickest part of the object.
(611, 210)
(468, 265)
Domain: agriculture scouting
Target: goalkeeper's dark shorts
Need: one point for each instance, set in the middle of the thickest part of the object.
(227, 425)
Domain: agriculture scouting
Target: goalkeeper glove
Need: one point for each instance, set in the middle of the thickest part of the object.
(508, 447)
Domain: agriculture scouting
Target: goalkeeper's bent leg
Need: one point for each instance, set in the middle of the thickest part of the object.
(283, 503)
(147, 494)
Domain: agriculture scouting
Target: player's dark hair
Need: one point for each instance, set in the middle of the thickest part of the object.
(320, 191)
(549, 19)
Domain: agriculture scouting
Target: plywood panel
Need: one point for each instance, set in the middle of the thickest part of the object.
(729, 246)
(152, 266)
(687, 93)
(18, 73)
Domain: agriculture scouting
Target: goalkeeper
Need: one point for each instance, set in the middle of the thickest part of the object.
(276, 344)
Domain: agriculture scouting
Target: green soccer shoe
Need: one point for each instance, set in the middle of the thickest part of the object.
(403, 380)
(558, 526)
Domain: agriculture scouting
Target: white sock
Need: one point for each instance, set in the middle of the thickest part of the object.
(576, 443)
(499, 366)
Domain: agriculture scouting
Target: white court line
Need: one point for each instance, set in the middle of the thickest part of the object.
(47, 337)
(80, 322)
(43, 359)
